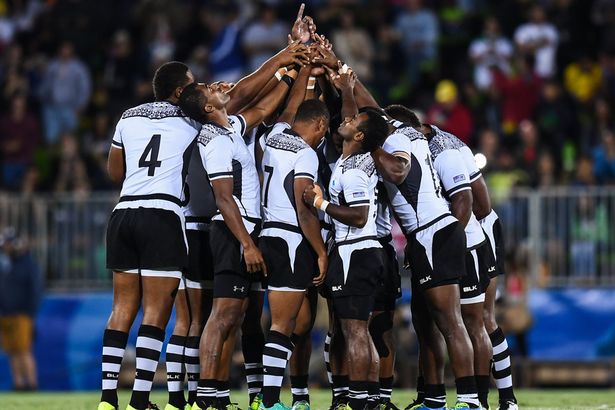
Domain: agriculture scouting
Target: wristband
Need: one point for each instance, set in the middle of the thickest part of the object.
(280, 73)
(323, 205)
(288, 80)
(311, 83)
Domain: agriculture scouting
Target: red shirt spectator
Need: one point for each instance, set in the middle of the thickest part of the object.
(449, 113)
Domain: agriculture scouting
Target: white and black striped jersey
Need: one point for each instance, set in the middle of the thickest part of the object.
(286, 156)
(383, 213)
(157, 139)
(327, 159)
(353, 183)
(417, 202)
(225, 155)
(201, 203)
(449, 162)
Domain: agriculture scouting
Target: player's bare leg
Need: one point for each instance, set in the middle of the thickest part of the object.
(358, 342)
(338, 361)
(126, 302)
(373, 386)
(252, 344)
(502, 371)
(158, 297)
(381, 331)
(473, 318)
(223, 393)
(199, 301)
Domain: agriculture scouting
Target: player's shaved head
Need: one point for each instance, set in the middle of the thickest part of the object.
(403, 114)
(192, 101)
(374, 128)
(168, 78)
(312, 110)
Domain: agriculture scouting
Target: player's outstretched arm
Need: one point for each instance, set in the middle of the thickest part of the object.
(345, 82)
(461, 206)
(393, 168)
(249, 87)
(223, 191)
(255, 114)
(297, 95)
(363, 97)
(481, 204)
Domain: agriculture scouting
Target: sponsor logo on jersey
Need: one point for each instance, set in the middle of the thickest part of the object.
(470, 288)
(459, 178)
(425, 279)
(358, 195)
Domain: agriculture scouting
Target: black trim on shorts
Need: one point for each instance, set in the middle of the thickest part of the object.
(163, 197)
(356, 240)
(282, 225)
(198, 219)
(385, 240)
(433, 222)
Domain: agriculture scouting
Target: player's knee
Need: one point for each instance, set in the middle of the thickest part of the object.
(378, 326)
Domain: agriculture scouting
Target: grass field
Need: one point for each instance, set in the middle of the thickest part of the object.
(528, 399)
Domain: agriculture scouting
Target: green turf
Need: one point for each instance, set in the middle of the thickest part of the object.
(528, 399)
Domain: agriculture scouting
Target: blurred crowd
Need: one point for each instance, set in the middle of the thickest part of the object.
(529, 84)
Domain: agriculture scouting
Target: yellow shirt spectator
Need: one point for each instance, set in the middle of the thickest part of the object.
(583, 80)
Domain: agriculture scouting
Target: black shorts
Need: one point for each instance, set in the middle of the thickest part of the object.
(146, 238)
(231, 279)
(389, 289)
(200, 261)
(473, 285)
(444, 243)
(493, 230)
(281, 276)
(354, 295)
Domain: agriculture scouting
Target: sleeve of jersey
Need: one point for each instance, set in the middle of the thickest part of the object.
(238, 123)
(307, 164)
(398, 145)
(470, 163)
(117, 137)
(355, 185)
(452, 171)
(217, 156)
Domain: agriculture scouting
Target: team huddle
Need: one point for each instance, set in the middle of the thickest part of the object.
(285, 183)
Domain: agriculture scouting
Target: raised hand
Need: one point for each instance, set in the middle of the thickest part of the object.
(302, 26)
(294, 53)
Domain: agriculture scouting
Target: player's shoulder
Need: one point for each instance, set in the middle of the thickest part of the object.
(157, 110)
(361, 162)
(210, 131)
(409, 132)
(285, 139)
(443, 141)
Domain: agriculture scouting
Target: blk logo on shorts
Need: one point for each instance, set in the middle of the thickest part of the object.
(336, 288)
(470, 288)
(425, 279)
(238, 289)
(491, 269)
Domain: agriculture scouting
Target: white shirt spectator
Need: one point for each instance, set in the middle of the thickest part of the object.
(488, 52)
(545, 33)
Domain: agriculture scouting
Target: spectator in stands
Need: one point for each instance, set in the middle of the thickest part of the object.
(589, 231)
(492, 49)
(354, 46)
(556, 117)
(20, 295)
(417, 29)
(449, 113)
(71, 174)
(64, 93)
(96, 149)
(602, 121)
(488, 145)
(263, 37)
(604, 159)
(225, 57)
(19, 135)
(584, 172)
(539, 38)
(583, 79)
(519, 93)
(119, 74)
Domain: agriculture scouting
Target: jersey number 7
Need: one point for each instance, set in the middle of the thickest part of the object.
(151, 150)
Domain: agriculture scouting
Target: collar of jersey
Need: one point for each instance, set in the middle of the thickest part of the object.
(215, 124)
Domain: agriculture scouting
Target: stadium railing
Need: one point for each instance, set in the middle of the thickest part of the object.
(556, 237)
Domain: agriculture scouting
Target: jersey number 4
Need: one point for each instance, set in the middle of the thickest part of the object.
(151, 150)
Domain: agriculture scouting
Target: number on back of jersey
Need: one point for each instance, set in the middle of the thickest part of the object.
(151, 151)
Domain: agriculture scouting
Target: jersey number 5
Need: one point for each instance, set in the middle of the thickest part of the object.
(151, 150)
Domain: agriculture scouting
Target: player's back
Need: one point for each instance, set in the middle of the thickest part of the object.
(157, 139)
(286, 156)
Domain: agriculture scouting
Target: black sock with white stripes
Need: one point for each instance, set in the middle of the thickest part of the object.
(206, 393)
(434, 396)
(175, 370)
(252, 347)
(340, 388)
(223, 394)
(149, 345)
(299, 388)
(327, 358)
(191, 353)
(420, 389)
(114, 344)
(276, 354)
(467, 391)
(373, 394)
(501, 370)
(386, 388)
(357, 394)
